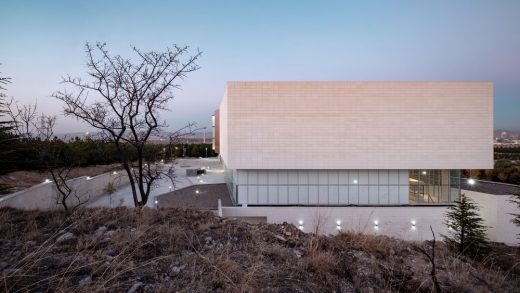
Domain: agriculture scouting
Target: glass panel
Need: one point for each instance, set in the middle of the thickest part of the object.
(433, 186)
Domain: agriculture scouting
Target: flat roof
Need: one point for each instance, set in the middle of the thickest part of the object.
(490, 187)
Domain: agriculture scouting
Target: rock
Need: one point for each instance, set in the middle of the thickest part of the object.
(297, 252)
(66, 237)
(281, 238)
(85, 281)
(100, 231)
(175, 270)
(134, 287)
(110, 233)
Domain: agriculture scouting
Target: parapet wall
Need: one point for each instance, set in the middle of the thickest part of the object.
(44, 195)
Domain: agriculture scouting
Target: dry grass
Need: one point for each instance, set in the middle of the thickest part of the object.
(193, 251)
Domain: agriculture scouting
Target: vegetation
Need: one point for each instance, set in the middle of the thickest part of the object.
(466, 231)
(89, 152)
(7, 139)
(123, 99)
(115, 250)
(506, 168)
(507, 153)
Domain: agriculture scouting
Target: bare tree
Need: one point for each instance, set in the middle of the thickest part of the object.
(59, 164)
(431, 258)
(29, 124)
(123, 98)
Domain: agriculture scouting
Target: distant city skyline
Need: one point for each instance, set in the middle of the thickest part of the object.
(43, 41)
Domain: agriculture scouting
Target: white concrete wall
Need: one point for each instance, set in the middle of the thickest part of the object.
(392, 221)
(496, 211)
(357, 125)
(325, 187)
(44, 195)
(223, 128)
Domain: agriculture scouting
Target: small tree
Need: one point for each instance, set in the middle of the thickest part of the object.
(516, 217)
(466, 231)
(8, 140)
(125, 98)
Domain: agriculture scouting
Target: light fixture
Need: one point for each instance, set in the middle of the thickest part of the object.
(197, 191)
(338, 225)
(170, 187)
(413, 224)
(88, 177)
(471, 181)
(300, 225)
(47, 181)
(424, 172)
(162, 160)
(114, 173)
(156, 201)
(355, 181)
(376, 225)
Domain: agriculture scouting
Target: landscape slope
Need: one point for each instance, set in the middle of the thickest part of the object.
(118, 250)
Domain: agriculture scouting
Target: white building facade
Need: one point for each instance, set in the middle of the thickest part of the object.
(353, 143)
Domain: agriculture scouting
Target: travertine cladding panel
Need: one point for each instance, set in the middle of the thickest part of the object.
(357, 125)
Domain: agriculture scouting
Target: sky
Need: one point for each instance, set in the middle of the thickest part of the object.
(453, 40)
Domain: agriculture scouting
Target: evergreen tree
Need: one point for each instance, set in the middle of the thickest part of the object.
(466, 231)
(8, 141)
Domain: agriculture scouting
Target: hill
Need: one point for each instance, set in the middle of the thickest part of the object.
(117, 250)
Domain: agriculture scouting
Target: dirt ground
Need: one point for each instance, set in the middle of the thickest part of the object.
(179, 250)
(19, 180)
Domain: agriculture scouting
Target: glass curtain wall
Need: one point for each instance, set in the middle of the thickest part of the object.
(434, 186)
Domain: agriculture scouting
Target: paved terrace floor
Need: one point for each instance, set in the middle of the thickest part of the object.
(214, 175)
(203, 197)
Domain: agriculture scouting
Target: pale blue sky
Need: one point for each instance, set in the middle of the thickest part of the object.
(41, 41)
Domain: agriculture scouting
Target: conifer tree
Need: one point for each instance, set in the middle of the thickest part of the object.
(7, 139)
(466, 229)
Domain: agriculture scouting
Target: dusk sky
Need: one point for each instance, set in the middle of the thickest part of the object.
(42, 41)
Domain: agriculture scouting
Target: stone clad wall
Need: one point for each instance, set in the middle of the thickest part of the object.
(357, 125)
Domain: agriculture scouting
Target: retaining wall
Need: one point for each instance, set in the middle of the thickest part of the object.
(391, 221)
(44, 196)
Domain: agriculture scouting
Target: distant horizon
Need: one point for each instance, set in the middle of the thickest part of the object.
(451, 41)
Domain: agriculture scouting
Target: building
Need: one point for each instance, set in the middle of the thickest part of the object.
(353, 143)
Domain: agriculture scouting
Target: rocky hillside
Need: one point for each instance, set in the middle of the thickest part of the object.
(117, 250)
